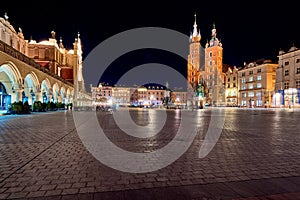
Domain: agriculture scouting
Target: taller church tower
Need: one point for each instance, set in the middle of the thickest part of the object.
(193, 64)
(215, 78)
(194, 57)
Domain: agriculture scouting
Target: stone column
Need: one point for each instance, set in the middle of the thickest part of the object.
(18, 96)
(38, 96)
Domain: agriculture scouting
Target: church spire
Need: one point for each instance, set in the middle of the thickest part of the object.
(195, 35)
(195, 32)
(214, 40)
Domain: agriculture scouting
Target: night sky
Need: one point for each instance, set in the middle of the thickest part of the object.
(248, 30)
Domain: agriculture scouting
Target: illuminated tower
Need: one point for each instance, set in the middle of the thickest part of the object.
(194, 57)
(215, 78)
(193, 64)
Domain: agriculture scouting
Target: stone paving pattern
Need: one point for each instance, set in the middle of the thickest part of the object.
(256, 157)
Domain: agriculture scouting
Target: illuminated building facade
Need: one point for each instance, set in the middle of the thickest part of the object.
(38, 71)
(153, 95)
(193, 65)
(288, 79)
(215, 78)
(231, 83)
(206, 80)
(256, 84)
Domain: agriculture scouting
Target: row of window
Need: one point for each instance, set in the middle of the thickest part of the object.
(251, 94)
(258, 78)
(287, 84)
(287, 62)
(287, 72)
(257, 103)
(234, 78)
(251, 86)
(251, 72)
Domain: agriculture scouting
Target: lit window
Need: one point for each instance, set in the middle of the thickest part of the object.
(250, 86)
(243, 87)
(243, 80)
(250, 94)
(250, 79)
(244, 95)
(244, 103)
(258, 94)
(258, 85)
(259, 102)
(258, 78)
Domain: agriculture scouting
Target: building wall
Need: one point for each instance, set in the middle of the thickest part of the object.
(256, 84)
(288, 78)
(231, 83)
(11, 37)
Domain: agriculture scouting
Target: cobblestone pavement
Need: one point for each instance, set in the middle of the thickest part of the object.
(256, 157)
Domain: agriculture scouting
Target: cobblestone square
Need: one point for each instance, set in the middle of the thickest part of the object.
(256, 157)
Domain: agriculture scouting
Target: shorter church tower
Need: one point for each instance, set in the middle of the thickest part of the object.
(215, 78)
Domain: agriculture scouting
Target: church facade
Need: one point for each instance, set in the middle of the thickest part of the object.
(206, 80)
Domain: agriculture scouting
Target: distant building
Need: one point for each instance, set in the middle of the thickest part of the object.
(288, 78)
(122, 95)
(179, 97)
(256, 83)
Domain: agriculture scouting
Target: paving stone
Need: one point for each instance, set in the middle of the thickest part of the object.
(253, 156)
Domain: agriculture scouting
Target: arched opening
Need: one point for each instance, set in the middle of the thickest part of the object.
(31, 87)
(63, 95)
(56, 94)
(5, 98)
(11, 85)
(46, 91)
